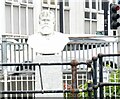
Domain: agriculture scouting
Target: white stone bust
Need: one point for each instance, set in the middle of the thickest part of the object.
(47, 41)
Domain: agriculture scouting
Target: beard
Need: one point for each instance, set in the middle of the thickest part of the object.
(46, 30)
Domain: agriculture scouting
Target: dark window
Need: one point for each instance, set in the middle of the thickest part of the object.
(102, 4)
(45, 1)
(94, 16)
(93, 4)
(86, 3)
(52, 2)
(87, 15)
(66, 2)
(98, 5)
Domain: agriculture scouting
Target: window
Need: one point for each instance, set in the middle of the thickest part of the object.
(94, 16)
(58, 22)
(8, 0)
(93, 4)
(16, 19)
(24, 1)
(87, 27)
(8, 19)
(23, 20)
(30, 21)
(30, 1)
(94, 27)
(19, 17)
(52, 2)
(87, 15)
(67, 21)
(66, 2)
(98, 5)
(102, 4)
(45, 1)
(16, 0)
(86, 3)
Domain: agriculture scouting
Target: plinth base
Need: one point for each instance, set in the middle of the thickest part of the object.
(51, 75)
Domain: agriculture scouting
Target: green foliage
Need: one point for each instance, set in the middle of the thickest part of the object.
(108, 89)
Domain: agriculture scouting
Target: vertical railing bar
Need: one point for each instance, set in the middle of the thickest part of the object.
(16, 85)
(14, 53)
(33, 84)
(21, 85)
(19, 52)
(5, 82)
(27, 53)
(89, 71)
(32, 54)
(23, 52)
(82, 84)
(10, 85)
(10, 53)
(95, 76)
(27, 86)
(101, 74)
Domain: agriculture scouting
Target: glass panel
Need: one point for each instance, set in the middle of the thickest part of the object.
(66, 2)
(93, 4)
(30, 1)
(8, 0)
(8, 18)
(58, 20)
(52, 2)
(94, 27)
(18, 85)
(102, 5)
(45, 1)
(24, 85)
(30, 85)
(23, 20)
(67, 21)
(16, 0)
(98, 5)
(16, 19)
(30, 21)
(87, 15)
(86, 3)
(87, 27)
(69, 77)
(24, 1)
(94, 16)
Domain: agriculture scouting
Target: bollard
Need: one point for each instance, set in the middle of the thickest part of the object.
(74, 64)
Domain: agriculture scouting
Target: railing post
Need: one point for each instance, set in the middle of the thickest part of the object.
(95, 76)
(74, 64)
(89, 74)
(100, 56)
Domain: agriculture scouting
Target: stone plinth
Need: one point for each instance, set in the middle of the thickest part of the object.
(51, 75)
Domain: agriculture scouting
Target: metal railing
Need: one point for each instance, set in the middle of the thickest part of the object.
(19, 52)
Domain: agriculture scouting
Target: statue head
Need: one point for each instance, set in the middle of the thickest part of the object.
(46, 22)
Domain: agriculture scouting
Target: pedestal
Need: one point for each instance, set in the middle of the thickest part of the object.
(51, 75)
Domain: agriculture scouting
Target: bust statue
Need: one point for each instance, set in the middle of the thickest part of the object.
(47, 41)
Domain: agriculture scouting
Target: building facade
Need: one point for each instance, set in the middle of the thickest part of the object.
(21, 17)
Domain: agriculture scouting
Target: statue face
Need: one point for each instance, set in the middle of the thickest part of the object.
(46, 23)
